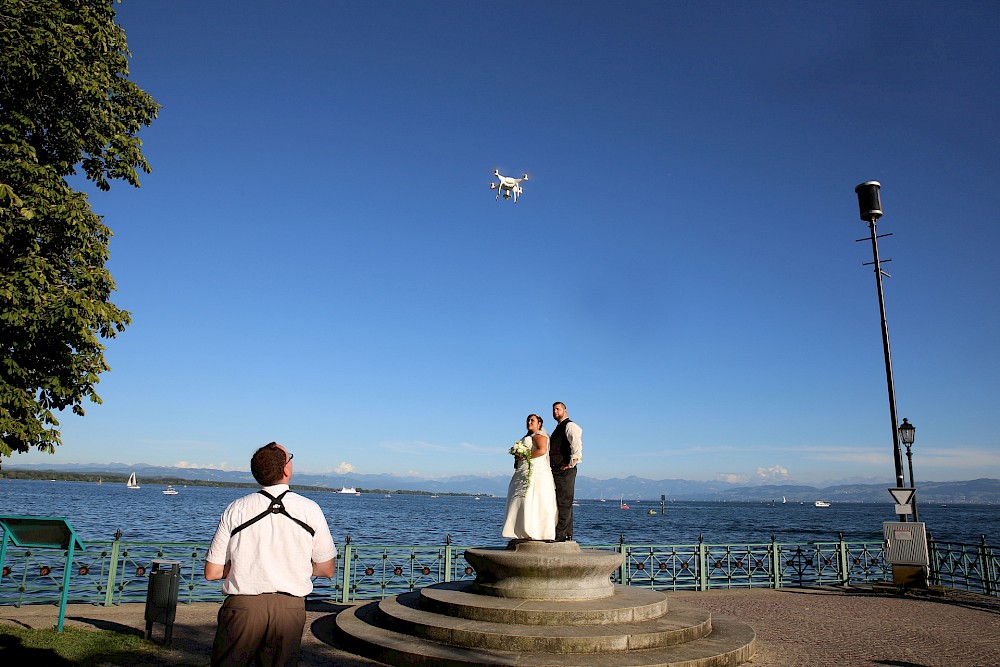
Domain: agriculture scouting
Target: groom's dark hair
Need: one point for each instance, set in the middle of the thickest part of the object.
(559, 403)
(268, 464)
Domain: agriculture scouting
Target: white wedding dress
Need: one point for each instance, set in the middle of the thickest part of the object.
(531, 507)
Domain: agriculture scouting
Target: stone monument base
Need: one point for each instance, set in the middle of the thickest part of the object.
(534, 570)
(540, 604)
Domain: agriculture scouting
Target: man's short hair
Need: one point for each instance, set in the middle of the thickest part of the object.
(268, 464)
(559, 403)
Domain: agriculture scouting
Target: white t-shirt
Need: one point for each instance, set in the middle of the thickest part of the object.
(275, 554)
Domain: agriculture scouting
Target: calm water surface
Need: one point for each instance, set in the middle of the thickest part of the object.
(97, 511)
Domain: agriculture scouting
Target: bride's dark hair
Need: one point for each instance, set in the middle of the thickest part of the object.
(540, 420)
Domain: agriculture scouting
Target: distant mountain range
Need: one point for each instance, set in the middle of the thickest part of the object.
(980, 491)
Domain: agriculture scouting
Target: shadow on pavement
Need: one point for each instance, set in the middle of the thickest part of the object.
(14, 652)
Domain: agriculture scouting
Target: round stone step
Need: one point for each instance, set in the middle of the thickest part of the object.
(626, 605)
(683, 624)
(731, 643)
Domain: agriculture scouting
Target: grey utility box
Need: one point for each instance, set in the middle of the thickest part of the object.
(161, 597)
(906, 550)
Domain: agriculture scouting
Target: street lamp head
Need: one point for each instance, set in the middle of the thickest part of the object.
(868, 200)
(906, 431)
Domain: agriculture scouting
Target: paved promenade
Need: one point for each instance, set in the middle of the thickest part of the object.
(807, 627)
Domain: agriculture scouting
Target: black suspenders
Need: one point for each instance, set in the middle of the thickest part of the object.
(276, 507)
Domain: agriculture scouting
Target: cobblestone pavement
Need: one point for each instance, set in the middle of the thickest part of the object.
(795, 627)
(859, 627)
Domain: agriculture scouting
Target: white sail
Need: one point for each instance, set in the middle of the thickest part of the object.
(132, 482)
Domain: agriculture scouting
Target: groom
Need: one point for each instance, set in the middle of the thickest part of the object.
(565, 452)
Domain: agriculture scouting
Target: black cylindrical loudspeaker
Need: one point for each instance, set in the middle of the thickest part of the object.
(868, 201)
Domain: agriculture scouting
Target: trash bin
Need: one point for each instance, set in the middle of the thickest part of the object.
(161, 597)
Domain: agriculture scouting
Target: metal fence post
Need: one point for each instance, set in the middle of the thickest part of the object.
(447, 558)
(987, 568)
(109, 593)
(345, 582)
(932, 576)
(775, 562)
(702, 564)
(623, 570)
(843, 564)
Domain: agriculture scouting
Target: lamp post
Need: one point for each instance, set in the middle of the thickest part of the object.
(906, 432)
(871, 210)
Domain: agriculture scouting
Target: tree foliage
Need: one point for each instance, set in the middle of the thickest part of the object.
(66, 103)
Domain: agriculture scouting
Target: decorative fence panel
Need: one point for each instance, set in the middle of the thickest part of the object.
(667, 567)
(972, 567)
(111, 573)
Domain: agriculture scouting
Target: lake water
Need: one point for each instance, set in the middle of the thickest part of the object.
(146, 515)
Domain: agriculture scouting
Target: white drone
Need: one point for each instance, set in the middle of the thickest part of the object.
(508, 185)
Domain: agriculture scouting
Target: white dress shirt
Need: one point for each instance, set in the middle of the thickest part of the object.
(275, 554)
(574, 434)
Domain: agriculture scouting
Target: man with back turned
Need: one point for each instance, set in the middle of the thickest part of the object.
(565, 452)
(267, 547)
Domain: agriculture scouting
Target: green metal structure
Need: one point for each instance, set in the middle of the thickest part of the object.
(42, 532)
(116, 572)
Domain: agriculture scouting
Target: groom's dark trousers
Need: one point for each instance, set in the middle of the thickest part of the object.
(565, 489)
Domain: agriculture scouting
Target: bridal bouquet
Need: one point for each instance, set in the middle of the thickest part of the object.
(522, 450)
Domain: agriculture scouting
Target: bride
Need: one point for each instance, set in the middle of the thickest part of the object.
(531, 495)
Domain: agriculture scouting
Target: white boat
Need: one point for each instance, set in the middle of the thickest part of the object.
(132, 483)
(783, 501)
(170, 491)
(821, 503)
(349, 490)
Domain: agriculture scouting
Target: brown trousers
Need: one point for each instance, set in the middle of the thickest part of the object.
(263, 630)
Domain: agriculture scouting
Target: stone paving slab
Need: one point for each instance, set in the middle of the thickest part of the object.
(811, 627)
(862, 627)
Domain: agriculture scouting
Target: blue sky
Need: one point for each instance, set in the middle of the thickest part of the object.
(317, 259)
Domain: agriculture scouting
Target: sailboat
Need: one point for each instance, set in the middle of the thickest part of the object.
(132, 482)
(623, 505)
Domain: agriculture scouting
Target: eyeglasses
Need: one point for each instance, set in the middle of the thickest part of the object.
(290, 457)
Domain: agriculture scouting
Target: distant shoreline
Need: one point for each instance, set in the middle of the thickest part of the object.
(982, 491)
(118, 478)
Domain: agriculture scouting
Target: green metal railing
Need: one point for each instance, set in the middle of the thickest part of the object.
(972, 567)
(772, 564)
(116, 572)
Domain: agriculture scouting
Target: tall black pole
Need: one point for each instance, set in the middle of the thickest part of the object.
(871, 210)
(897, 454)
